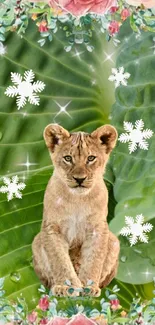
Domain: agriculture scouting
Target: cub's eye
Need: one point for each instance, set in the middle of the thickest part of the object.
(68, 158)
(91, 158)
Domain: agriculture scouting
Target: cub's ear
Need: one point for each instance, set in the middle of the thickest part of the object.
(54, 134)
(107, 136)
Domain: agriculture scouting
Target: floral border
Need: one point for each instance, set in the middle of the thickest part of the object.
(46, 312)
(16, 14)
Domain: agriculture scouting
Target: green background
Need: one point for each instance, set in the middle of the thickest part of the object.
(130, 178)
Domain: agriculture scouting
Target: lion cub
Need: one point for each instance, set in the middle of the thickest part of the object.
(75, 242)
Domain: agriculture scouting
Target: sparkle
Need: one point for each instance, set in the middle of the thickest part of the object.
(129, 273)
(126, 205)
(137, 62)
(108, 57)
(24, 114)
(146, 273)
(63, 109)
(93, 82)
(23, 177)
(91, 68)
(33, 299)
(126, 39)
(27, 164)
(138, 35)
(77, 54)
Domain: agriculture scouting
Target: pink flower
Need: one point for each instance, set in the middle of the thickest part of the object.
(43, 26)
(78, 319)
(113, 9)
(113, 27)
(32, 317)
(82, 7)
(146, 3)
(125, 13)
(43, 303)
(115, 304)
(43, 321)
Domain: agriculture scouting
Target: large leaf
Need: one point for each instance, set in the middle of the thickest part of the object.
(83, 82)
(134, 173)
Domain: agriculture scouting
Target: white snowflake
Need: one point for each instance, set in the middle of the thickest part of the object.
(12, 187)
(136, 137)
(2, 49)
(25, 88)
(136, 230)
(119, 76)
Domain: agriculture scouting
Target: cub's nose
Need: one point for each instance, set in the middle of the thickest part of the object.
(79, 180)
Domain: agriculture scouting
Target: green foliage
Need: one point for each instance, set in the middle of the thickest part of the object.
(134, 180)
(68, 79)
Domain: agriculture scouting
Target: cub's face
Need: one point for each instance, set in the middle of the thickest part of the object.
(80, 158)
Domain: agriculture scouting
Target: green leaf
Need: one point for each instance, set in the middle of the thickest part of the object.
(38, 10)
(2, 30)
(134, 173)
(2, 37)
(67, 79)
(133, 24)
(121, 320)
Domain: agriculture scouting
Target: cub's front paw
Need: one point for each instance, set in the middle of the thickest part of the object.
(91, 290)
(64, 290)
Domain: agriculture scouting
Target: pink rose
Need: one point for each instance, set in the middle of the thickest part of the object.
(82, 7)
(125, 13)
(78, 319)
(146, 3)
(113, 27)
(44, 303)
(32, 317)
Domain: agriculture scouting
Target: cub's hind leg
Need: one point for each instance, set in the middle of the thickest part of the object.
(40, 262)
(109, 277)
(110, 265)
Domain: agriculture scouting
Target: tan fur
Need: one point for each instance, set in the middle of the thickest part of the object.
(75, 242)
